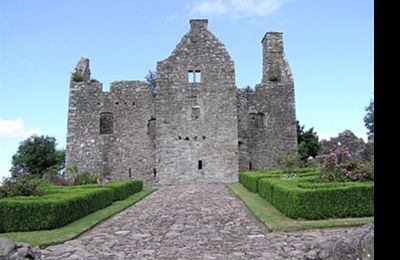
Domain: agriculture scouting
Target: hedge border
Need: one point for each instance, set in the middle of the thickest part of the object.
(250, 179)
(336, 200)
(61, 205)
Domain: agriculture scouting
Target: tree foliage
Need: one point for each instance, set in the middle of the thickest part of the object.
(151, 79)
(369, 117)
(36, 155)
(290, 161)
(250, 89)
(307, 142)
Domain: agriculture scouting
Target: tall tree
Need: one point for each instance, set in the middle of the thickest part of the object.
(35, 155)
(307, 142)
(369, 117)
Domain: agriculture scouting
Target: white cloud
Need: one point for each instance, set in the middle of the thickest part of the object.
(16, 128)
(236, 8)
(209, 7)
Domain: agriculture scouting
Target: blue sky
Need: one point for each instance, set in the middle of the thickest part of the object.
(329, 46)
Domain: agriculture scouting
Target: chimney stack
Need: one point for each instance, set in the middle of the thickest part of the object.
(198, 24)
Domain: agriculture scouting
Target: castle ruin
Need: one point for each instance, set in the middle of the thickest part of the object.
(197, 127)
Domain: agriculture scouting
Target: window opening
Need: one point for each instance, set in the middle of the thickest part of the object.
(190, 76)
(194, 76)
(106, 123)
(195, 112)
(197, 76)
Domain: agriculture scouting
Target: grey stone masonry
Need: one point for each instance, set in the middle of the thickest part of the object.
(83, 69)
(202, 148)
(349, 141)
(197, 127)
(127, 149)
(268, 128)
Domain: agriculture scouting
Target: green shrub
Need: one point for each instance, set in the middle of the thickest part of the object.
(50, 174)
(250, 179)
(52, 210)
(22, 186)
(77, 76)
(123, 189)
(72, 169)
(61, 205)
(85, 178)
(368, 170)
(307, 199)
(289, 162)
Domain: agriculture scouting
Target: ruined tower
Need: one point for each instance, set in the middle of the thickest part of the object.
(197, 127)
(267, 117)
(110, 133)
(196, 111)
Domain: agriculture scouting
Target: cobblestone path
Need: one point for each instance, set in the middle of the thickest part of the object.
(186, 222)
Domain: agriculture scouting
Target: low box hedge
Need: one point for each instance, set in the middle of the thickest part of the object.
(304, 198)
(123, 189)
(61, 205)
(51, 211)
(250, 179)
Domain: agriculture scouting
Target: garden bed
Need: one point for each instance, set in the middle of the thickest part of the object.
(305, 198)
(275, 220)
(61, 205)
(250, 179)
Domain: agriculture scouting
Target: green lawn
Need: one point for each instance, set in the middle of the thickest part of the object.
(47, 237)
(275, 220)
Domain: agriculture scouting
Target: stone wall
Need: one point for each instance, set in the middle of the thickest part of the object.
(197, 128)
(271, 128)
(84, 144)
(348, 140)
(197, 132)
(243, 128)
(125, 152)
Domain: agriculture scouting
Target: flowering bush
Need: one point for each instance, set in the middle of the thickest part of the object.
(340, 166)
(289, 176)
(23, 186)
(62, 181)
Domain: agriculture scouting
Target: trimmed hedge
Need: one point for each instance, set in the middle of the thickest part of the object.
(250, 179)
(306, 199)
(51, 211)
(61, 205)
(123, 189)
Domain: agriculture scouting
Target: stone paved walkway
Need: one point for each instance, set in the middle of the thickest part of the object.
(186, 222)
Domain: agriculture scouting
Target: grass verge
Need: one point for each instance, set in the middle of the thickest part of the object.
(275, 220)
(74, 229)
